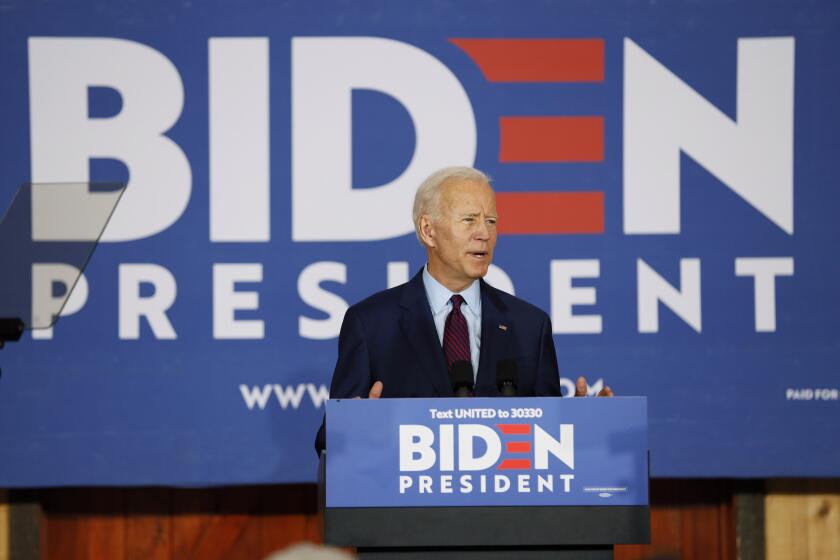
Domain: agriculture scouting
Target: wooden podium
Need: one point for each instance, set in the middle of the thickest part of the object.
(380, 527)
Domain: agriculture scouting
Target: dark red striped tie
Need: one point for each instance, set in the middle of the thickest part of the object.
(456, 337)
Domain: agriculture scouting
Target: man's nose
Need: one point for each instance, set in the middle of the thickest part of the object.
(482, 231)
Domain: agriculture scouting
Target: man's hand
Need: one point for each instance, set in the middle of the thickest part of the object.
(580, 389)
(376, 390)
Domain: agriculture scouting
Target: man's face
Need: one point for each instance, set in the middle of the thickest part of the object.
(460, 242)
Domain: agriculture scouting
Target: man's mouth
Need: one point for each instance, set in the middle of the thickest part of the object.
(478, 254)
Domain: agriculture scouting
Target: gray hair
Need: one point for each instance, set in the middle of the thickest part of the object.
(427, 198)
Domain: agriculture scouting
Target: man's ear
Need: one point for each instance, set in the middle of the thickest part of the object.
(427, 231)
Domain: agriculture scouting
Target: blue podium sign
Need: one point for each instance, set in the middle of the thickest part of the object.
(487, 452)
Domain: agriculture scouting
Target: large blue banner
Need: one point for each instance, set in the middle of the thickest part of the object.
(667, 179)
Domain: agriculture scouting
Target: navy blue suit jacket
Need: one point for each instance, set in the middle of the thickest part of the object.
(391, 337)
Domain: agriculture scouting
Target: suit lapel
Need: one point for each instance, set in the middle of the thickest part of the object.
(495, 333)
(418, 326)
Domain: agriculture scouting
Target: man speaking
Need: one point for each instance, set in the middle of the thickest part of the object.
(446, 330)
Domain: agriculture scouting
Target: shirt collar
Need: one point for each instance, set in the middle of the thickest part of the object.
(439, 294)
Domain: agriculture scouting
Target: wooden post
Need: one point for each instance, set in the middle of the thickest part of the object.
(803, 519)
(749, 520)
(4, 525)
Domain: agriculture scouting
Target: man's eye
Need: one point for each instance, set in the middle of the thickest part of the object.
(491, 221)
(469, 220)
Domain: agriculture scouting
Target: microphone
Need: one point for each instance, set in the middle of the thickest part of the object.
(461, 378)
(507, 376)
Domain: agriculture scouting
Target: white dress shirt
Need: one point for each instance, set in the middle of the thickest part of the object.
(439, 296)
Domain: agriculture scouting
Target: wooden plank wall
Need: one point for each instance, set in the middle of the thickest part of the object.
(803, 519)
(691, 519)
(164, 523)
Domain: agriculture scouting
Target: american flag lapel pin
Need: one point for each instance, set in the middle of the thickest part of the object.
(503, 328)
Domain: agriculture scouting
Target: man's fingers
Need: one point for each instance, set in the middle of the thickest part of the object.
(605, 392)
(580, 387)
(376, 390)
